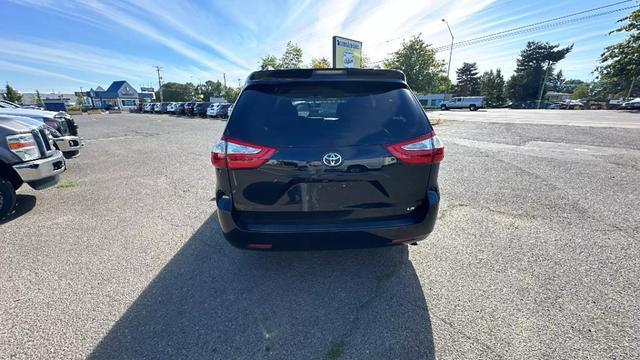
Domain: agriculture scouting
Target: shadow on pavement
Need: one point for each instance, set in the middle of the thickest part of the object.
(24, 204)
(214, 301)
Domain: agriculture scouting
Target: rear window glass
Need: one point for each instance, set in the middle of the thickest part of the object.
(327, 113)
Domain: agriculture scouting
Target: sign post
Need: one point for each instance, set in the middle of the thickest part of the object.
(347, 53)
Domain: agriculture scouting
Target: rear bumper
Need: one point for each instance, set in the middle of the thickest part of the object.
(330, 236)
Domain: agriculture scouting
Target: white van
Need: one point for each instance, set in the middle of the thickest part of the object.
(472, 103)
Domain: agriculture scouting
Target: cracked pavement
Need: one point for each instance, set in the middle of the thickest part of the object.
(534, 256)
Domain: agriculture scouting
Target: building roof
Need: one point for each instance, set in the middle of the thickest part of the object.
(112, 92)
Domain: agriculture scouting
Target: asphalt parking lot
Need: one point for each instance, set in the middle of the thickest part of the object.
(535, 254)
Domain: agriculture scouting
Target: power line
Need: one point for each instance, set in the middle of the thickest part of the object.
(525, 29)
(545, 24)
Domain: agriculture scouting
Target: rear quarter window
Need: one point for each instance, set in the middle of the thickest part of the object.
(343, 113)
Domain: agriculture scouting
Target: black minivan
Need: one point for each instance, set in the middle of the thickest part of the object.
(331, 158)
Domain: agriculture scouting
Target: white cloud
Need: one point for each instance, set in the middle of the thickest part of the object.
(187, 25)
(6, 65)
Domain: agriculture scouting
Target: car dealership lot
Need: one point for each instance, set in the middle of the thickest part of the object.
(534, 254)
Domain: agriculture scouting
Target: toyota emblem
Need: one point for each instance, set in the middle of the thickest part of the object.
(332, 159)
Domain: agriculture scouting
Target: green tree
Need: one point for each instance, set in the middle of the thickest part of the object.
(536, 60)
(173, 91)
(620, 63)
(13, 95)
(418, 62)
(320, 63)
(230, 94)
(210, 89)
(580, 92)
(39, 100)
(468, 80)
(492, 87)
(556, 82)
(79, 95)
(269, 62)
(570, 85)
(292, 57)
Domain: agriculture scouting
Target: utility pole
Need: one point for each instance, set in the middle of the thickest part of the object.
(158, 68)
(239, 85)
(633, 81)
(544, 81)
(224, 77)
(446, 92)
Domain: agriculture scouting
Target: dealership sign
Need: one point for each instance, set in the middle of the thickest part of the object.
(347, 53)
(146, 89)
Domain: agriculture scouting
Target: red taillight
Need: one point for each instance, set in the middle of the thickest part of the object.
(424, 150)
(236, 154)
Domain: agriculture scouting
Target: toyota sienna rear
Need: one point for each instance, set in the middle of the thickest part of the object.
(334, 158)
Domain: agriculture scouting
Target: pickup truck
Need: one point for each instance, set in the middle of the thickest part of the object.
(473, 103)
(62, 126)
(27, 155)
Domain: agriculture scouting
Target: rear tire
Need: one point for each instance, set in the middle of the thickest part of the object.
(473, 108)
(7, 197)
(443, 107)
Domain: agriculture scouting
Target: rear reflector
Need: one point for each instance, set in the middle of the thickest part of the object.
(236, 154)
(425, 150)
(259, 246)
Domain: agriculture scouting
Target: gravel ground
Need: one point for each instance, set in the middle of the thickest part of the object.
(535, 255)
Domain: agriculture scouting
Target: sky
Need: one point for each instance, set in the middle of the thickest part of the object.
(65, 45)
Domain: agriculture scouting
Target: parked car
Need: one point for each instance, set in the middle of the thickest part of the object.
(212, 111)
(223, 111)
(615, 104)
(163, 107)
(188, 108)
(181, 109)
(571, 105)
(27, 155)
(472, 103)
(229, 111)
(148, 107)
(63, 127)
(173, 108)
(200, 109)
(157, 108)
(554, 106)
(632, 105)
(359, 169)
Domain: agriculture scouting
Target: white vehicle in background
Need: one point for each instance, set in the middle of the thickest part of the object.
(214, 109)
(632, 105)
(229, 111)
(472, 103)
(171, 107)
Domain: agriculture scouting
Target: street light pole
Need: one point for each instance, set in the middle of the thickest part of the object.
(446, 92)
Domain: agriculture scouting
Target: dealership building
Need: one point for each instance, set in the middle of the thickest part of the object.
(120, 94)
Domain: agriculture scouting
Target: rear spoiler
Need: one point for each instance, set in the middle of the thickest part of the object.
(325, 74)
